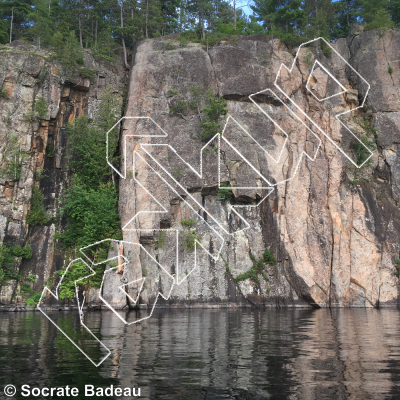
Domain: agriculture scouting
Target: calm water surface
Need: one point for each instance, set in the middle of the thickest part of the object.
(212, 354)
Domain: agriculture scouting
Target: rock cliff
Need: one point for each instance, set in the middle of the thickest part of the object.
(27, 73)
(333, 229)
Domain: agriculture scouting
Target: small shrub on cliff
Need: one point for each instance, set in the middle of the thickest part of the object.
(33, 300)
(25, 252)
(169, 45)
(39, 110)
(367, 141)
(190, 239)
(188, 222)
(6, 264)
(390, 70)
(37, 214)
(326, 50)
(225, 194)
(4, 93)
(215, 109)
(161, 239)
(12, 158)
(87, 73)
(179, 108)
(258, 268)
(75, 272)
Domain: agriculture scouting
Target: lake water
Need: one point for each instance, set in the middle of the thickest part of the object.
(211, 354)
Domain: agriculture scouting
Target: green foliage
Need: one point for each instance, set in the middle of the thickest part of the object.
(177, 172)
(180, 108)
(39, 174)
(25, 252)
(258, 268)
(368, 140)
(12, 158)
(169, 45)
(50, 151)
(37, 214)
(190, 239)
(360, 151)
(225, 194)
(398, 261)
(90, 204)
(188, 222)
(268, 257)
(39, 110)
(381, 21)
(33, 300)
(4, 93)
(215, 108)
(31, 278)
(308, 58)
(76, 271)
(87, 143)
(6, 264)
(161, 239)
(183, 42)
(390, 70)
(172, 92)
(67, 50)
(87, 73)
(105, 50)
(325, 49)
(91, 214)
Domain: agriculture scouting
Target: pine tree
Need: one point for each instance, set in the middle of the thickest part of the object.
(375, 13)
(42, 27)
(395, 11)
(285, 18)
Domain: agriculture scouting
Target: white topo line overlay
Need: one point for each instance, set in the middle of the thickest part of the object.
(218, 229)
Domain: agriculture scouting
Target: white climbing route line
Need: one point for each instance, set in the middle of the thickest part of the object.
(218, 232)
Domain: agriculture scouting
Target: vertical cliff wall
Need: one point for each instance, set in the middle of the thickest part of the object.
(333, 229)
(27, 73)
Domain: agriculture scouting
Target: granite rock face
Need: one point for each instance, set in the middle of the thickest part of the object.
(27, 74)
(333, 229)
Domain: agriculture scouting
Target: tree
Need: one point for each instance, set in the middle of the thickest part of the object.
(320, 17)
(395, 11)
(14, 13)
(345, 14)
(375, 13)
(286, 18)
(121, 4)
(169, 11)
(42, 24)
(67, 50)
(201, 10)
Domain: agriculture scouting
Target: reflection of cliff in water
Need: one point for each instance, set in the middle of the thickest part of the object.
(211, 354)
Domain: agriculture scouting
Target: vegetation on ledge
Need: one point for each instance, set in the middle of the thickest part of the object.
(257, 269)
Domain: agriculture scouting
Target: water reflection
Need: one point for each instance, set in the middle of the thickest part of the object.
(213, 354)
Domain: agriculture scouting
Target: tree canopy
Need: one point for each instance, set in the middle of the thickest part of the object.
(104, 25)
